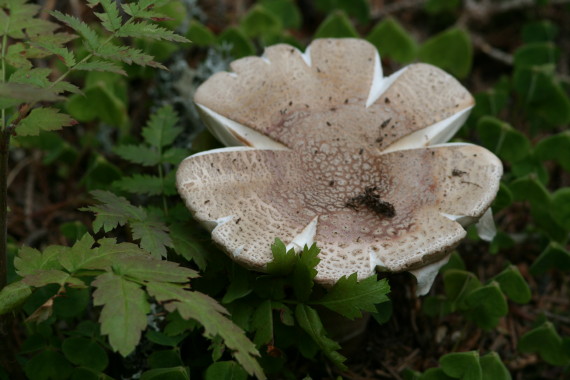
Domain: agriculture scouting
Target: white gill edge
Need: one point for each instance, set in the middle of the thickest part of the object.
(306, 237)
(425, 275)
(486, 226)
(435, 134)
(379, 83)
(376, 263)
(222, 127)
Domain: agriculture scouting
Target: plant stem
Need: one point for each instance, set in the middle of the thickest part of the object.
(4, 148)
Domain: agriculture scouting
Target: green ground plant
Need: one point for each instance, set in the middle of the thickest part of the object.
(131, 287)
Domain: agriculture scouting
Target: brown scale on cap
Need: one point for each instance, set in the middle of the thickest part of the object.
(333, 184)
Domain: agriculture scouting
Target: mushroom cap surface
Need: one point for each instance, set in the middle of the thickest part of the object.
(338, 155)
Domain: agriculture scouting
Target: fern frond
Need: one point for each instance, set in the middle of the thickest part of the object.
(100, 65)
(110, 18)
(144, 29)
(126, 54)
(88, 33)
(62, 53)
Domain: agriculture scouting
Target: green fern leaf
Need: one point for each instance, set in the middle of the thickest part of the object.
(43, 119)
(125, 307)
(161, 129)
(138, 154)
(146, 184)
(126, 54)
(57, 39)
(88, 33)
(145, 29)
(153, 236)
(63, 86)
(65, 55)
(349, 297)
(174, 155)
(13, 295)
(39, 27)
(187, 247)
(113, 211)
(99, 65)
(74, 258)
(142, 9)
(207, 311)
(110, 18)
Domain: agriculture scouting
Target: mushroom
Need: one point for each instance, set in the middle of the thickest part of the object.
(332, 152)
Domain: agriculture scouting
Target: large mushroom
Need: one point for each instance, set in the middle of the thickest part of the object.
(334, 153)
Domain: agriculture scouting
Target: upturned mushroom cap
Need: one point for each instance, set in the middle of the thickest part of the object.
(337, 154)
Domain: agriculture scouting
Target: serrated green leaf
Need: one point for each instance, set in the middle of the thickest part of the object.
(43, 119)
(349, 297)
(336, 25)
(85, 353)
(305, 271)
(145, 184)
(65, 55)
(17, 55)
(462, 365)
(142, 9)
(146, 268)
(153, 236)
(309, 320)
(51, 276)
(161, 129)
(514, 285)
(13, 295)
(187, 247)
(283, 261)
(450, 50)
(211, 315)
(110, 18)
(125, 307)
(26, 93)
(262, 323)
(554, 256)
(144, 29)
(393, 41)
(545, 341)
(493, 368)
(126, 54)
(21, 16)
(113, 211)
(138, 154)
(108, 252)
(100, 65)
(34, 77)
(174, 155)
(30, 260)
(72, 259)
(89, 34)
